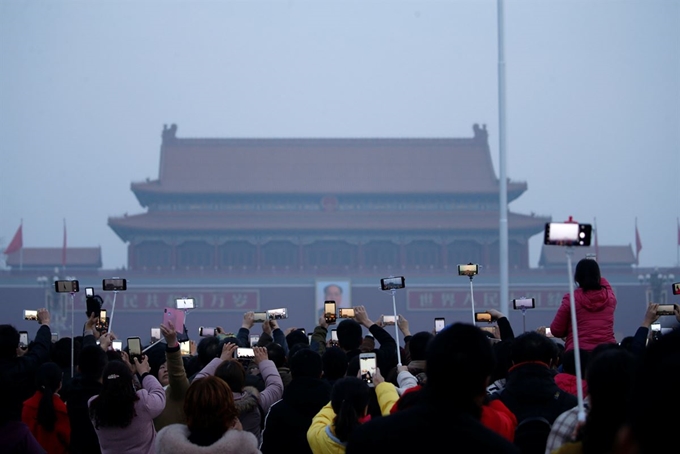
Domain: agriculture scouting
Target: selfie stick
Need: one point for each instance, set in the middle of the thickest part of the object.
(472, 299)
(396, 327)
(113, 309)
(73, 309)
(574, 326)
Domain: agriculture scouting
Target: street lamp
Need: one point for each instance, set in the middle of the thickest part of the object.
(656, 282)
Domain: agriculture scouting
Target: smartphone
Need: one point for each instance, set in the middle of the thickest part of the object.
(548, 333)
(93, 304)
(309, 338)
(66, 286)
(254, 339)
(329, 312)
(468, 270)
(482, 317)
(207, 332)
(103, 321)
(155, 334)
(55, 337)
(117, 345)
(489, 329)
(655, 327)
(390, 319)
(89, 292)
(346, 312)
(176, 316)
(184, 303)
(665, 309)
(368, 366)
(277, 314)
(334, 335)
(567, 234)
(185, 348)
(524, 303)
(439, 324)
(242, 353)
(23, 339)
(260, 317)
(134, 347)
(31, 315)
(392, 283)
(676, 288)
(114, 285)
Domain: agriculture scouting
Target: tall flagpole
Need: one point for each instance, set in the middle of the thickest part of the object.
(503, 181)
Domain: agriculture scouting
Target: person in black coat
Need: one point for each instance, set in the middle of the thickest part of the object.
(459, 363)
(288, 420)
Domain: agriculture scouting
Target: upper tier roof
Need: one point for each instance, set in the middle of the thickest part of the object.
(325, 166)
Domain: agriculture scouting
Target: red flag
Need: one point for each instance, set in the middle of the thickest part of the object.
(17, 241)
(63, 248)
(638, 243)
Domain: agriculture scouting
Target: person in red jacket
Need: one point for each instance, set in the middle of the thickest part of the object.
(595, 304)
(45, 413)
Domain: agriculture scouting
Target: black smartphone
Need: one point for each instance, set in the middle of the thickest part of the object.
(567, 234)
(368, 366)
(134, 348)
(392, 283)
(329, 312)
(676, 288)
(439, 324)
(260, 317)
(66, 286)
(94, 305)
(524, 303)
(482, 317)
(665, 309)
(244, 353)
(31, 315)
(103, 323)
(115, 284)
(89, 292)
(346, 312)
(23, 339)
(334, 336)
(470, 269)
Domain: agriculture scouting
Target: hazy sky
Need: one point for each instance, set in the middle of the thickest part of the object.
(593, 99)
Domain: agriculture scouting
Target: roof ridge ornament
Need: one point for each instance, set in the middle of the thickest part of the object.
(170, 133)
(480, 133)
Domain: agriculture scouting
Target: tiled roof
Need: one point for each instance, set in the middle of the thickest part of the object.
(48, 257)
(608, 255)
(326, 166)
(233, 221)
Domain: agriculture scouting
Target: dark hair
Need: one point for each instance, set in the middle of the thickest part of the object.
(587, 275)
(296, 337)
(335, 363)
(276, 354)
(569, 361)
(208, 349)
(532, 346)
(417, 346)
(459, 362)
(61, 352)
(233, 373)
(209, 406)
(349, 399)
(92, 361)
(115, 404)
(9, 341)
(350, 334)
(610, 380)
(48, 380)
(306, 363)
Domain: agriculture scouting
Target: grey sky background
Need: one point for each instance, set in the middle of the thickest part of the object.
(593, 99)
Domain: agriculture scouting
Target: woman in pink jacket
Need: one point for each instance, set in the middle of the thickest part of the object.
(595, 304)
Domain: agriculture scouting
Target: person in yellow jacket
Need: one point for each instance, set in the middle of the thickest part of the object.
(348, 408)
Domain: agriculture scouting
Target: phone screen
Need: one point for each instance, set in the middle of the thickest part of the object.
(278, 314)
(439, 324)
(185, 348)
(155, 333)
(329, 312)
(367, 364)
(389, 319)
(665, 309)
(676, 288)
(117, 345)
(245, 353)
(135, 346)
(656, 326)
(334, 335)
(259, 317)
(548, 333)
(30, 315)
(524, 303)
(346, 312)
(115, 284)
(482, 317)
(254, 339)
(89, 291)
(55, 337)
(23, 339)
(184, 303)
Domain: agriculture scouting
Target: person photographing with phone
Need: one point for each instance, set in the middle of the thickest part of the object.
(595, 304)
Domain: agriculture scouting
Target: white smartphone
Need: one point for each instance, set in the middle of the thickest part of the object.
(155, 334)
(439, 324)
(254, 339)
(548, 333)
(368, 366)
(334, 335)
(117, 345)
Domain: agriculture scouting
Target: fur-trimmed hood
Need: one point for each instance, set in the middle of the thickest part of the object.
(174, 439)
(247, 400)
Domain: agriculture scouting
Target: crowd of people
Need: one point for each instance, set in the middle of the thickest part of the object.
(461, 390)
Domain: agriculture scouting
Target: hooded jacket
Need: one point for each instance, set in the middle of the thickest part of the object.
(594, 315)
(174, 439)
